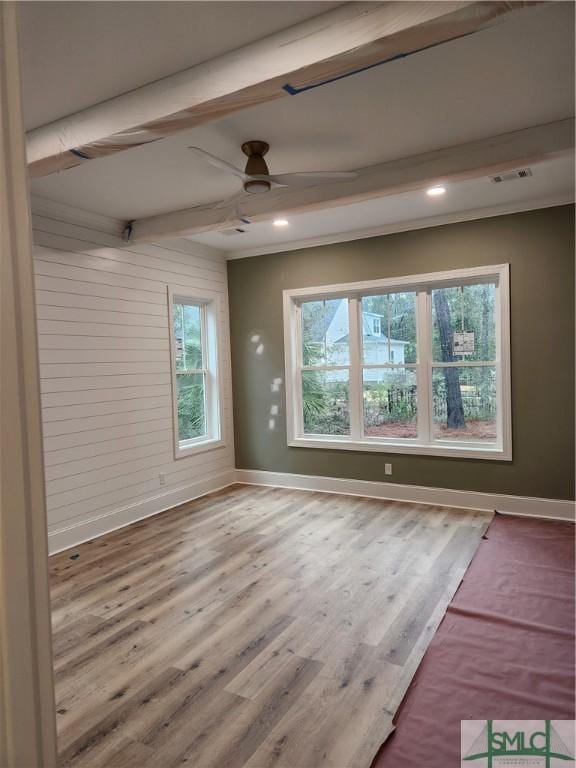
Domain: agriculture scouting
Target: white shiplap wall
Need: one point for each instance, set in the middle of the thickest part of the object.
(105, 376)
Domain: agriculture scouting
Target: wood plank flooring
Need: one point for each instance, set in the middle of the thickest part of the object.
(252, 628)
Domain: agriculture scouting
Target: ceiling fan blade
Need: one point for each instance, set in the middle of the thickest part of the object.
(229, 201)
(233, 203)
(309, 179)
(218, 162)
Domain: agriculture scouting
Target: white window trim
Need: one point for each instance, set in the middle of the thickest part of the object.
(292, 299)
(212, 348)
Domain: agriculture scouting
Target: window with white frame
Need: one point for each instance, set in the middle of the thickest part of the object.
(195, 388)
(435, 381)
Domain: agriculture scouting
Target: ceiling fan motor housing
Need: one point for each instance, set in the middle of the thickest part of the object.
(256, 166)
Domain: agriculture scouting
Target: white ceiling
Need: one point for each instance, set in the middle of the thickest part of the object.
(517, 74)
(77, 54)
(552, 182)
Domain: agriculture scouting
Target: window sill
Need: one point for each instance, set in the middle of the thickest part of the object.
(201, 446)
(468, 451)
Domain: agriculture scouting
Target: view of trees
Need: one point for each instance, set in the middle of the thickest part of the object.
(325, 393)
(325, 398)
(398, 312)
(190, 383)
(463, 398)
(391, 404)
(390, 394)
(191, 406)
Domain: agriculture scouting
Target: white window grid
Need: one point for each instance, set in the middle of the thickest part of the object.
(425, 442)
(213, 436)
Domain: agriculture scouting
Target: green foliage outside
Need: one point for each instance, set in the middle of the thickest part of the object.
(324, 394)
(191, 406)
(478, 392)
(325, 404)
(393, 400)
(190, 384)
(390, 402)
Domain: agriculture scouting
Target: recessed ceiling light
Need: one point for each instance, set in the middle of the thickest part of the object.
(435, 191)
(280, 222)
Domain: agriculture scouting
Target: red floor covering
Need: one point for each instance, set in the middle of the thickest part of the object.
(505, 649)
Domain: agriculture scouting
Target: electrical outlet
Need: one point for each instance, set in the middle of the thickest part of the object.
(162, 478)
(387, 469)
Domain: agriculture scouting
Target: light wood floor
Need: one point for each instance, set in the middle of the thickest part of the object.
(252, 628)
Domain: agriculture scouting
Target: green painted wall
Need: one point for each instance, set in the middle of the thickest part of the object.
(539, 245)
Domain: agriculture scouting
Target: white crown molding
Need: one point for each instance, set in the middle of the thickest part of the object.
(524, 506)
(67, 214)
(404, 226)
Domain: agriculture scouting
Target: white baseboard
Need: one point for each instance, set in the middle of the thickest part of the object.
(71, 533)
(549, 509)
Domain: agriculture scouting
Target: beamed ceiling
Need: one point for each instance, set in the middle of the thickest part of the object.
(513, 76)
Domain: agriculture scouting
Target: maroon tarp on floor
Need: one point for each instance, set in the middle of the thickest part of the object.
(505, 649)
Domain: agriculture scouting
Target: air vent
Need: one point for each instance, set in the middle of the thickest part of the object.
(520, 173)
(231, 232)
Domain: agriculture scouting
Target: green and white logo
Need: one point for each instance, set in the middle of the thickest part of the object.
(518, 743)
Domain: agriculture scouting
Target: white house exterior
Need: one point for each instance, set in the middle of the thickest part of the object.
(377, 348)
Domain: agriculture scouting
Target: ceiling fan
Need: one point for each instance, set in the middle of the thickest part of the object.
(257, 179)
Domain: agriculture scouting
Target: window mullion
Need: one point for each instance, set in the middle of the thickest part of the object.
(465, 364)
(424, 369)
(355, 380)
(324, 368)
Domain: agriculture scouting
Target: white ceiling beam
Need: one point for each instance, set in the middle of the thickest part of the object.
(465, 161)
(342, 41)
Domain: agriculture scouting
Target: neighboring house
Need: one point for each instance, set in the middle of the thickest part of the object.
(376, 345)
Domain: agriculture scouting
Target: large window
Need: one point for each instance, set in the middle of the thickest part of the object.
(195, 387)
(411, 365)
